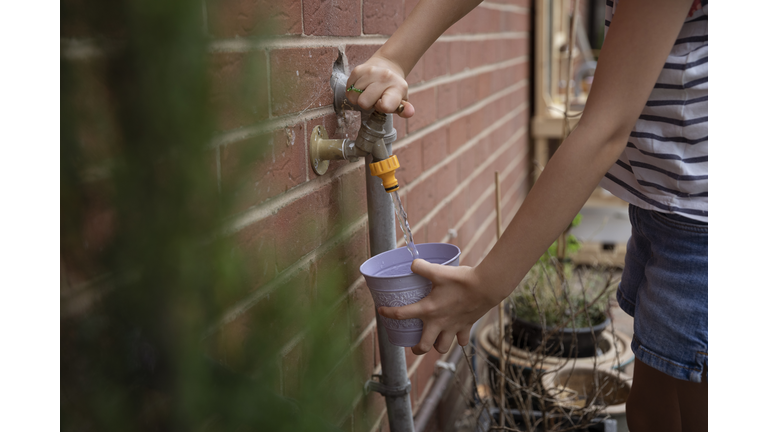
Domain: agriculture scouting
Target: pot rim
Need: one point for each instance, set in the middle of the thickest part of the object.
(447, 261)
(602, 326)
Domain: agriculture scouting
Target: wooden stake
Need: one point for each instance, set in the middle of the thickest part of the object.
(503, 380)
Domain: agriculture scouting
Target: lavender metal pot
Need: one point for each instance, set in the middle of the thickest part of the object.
(391, 282)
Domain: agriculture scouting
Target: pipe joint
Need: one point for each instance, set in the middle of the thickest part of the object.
(323, 149)
(386, 390)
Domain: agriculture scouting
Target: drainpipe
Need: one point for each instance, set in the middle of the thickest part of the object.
(374, 142)
(437, 391)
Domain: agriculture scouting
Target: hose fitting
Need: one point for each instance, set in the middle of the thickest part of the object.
(385, 170)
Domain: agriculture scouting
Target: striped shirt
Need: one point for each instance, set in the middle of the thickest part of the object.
(664, 166)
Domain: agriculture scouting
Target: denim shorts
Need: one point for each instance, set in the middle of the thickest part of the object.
(664, 287)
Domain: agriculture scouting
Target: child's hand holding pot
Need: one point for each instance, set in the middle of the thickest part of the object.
(458, 299)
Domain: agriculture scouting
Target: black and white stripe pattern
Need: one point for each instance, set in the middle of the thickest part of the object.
(664, 166)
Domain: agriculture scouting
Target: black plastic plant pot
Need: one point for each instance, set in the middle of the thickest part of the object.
(566, 342)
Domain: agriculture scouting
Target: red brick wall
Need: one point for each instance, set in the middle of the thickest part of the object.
(471, 93)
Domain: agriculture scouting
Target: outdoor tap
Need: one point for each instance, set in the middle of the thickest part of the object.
(376, 134)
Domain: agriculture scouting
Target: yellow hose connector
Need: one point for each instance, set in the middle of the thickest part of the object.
(385, 170)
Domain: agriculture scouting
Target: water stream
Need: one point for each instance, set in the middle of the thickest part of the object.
(404, 227)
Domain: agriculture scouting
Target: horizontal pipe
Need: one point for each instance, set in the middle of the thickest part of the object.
(437, 391)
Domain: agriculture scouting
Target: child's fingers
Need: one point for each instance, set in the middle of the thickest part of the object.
(371, 94)
(444, 342)
(428, 336)
(391, 99)
(414, 310)
(463, 336)
(427, 269)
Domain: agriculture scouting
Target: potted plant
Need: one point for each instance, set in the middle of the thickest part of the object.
(559, 309)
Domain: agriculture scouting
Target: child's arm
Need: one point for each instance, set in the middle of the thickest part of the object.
(382, 77)
(641, 36)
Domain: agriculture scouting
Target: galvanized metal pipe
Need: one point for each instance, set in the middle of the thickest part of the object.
(383, 237)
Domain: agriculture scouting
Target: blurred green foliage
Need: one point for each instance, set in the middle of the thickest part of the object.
(142, 214)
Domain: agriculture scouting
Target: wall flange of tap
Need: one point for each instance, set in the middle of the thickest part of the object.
(319, 165)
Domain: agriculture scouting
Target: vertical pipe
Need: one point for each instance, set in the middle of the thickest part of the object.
(502, 359)
(383, 237)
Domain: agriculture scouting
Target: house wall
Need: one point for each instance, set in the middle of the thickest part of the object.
(471, 94)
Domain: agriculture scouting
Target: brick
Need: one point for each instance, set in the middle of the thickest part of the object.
(409, 5)
(358, 54)
(362, 309)
(239, 89)
(447, 99)
(362, 356)
(467, 163)
(267, 326)
(434, 148)
(458, 53)
(483, 85)
(416, 75)
(425, 103)
(368, 411)
(256, 169)
(447, 179)
(293, 371)
(467, 92)
(422, 198)
(303, 225)
(338, 268)
(242, 18)
(410, 162)
(458, 133)
(439, 225)
(426, 370)
(436, 61)
(352, 198)
(332, 18)
(300, 78)
(479, 53)
(257, 244)
(401, 126)
(382, 16)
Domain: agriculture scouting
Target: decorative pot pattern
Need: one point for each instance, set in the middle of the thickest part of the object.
(401, 298)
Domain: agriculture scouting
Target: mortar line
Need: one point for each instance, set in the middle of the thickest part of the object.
(421, 133)
(489, 190)
(303, 41)
(446, 79)
(274, 204)
(292, 119)
(301, 264)
(468, 181)
(494, 241)
(465, 147)
(415, 365)
(377, 425)
(86, 48)
(505, 8)
(270, 125)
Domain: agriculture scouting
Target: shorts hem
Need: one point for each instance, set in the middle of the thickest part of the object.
(624, 303)
(672, 368)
